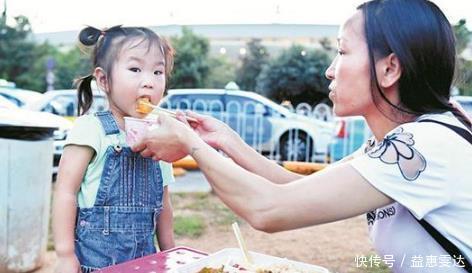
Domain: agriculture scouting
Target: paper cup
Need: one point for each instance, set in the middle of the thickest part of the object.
(136, 129)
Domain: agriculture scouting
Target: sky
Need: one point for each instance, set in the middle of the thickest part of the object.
(62, 15)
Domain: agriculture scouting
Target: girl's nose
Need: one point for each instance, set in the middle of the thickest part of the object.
(148, 82)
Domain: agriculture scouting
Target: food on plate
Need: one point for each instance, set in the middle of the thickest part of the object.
(236, 268)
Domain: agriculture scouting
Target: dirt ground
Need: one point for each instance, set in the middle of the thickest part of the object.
(334, 246)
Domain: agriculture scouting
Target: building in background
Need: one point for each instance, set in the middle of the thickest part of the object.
(231, 39)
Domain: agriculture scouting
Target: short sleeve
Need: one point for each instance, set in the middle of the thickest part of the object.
(86, 132)
(167, 173)
(409, 166)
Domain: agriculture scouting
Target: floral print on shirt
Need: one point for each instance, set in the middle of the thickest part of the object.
(397, 148)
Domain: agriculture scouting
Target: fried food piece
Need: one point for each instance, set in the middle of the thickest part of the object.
(143, 106)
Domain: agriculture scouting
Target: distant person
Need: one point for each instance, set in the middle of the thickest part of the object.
(395, 66)
(109, 202)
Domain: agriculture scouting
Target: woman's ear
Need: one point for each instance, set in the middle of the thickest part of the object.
(101, 78)
(389, 71)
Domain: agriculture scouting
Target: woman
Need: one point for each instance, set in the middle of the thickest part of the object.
(395, 67)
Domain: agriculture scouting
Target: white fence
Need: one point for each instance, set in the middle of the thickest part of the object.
(281, 133)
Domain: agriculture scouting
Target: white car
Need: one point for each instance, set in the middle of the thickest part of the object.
(41, 119)
(65, 103)
(265, 125)
(20, 97)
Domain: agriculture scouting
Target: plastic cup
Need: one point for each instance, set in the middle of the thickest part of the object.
(137, 128)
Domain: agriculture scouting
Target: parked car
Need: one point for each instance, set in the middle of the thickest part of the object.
(6, 103)
(350, 134)
(20, 97)
(10, 111)
(262, 123)
(65, 103)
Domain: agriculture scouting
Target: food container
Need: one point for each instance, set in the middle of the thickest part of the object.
(136, 128)
(162, 262)
(233, 256)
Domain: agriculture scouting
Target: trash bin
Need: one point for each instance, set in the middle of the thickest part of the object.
(26, 156)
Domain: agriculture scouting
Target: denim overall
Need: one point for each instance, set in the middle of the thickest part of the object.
(121, 224)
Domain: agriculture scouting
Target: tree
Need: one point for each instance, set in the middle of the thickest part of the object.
(252, 63)
(297, 75)
(222, 71)
(17, 52)
(464, 66)
(191, 67)
(70, 65)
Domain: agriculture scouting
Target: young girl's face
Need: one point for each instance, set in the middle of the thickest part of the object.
(139, 72)
(349, 72)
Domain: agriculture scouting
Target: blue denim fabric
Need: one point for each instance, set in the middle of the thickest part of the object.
(121, 224)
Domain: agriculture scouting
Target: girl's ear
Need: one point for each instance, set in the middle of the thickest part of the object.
(389, 71)
(101, 78)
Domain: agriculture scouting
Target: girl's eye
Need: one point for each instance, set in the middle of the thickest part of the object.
(340, 52)
(158, 72)
(135, 69)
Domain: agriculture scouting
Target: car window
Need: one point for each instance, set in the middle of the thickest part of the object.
(12, 99)
(239, 104)
(196, 102)
(64, 105)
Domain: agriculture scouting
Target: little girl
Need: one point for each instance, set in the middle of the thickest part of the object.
(110, 201)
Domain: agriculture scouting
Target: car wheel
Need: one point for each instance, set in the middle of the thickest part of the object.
(295, 145)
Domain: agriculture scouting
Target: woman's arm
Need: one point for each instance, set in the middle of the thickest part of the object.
(165, 224)
(72, 167)
(336, 193)
(221, 136)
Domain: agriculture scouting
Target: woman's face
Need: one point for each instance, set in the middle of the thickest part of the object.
(350, 70)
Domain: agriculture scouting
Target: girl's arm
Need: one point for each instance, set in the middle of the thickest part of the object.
(165, 224)
(72, 167)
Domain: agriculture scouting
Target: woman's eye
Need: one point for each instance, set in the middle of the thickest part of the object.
(158, 72)
(134, 69)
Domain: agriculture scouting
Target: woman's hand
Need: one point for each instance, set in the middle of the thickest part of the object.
(168, 142)
(67, 264)
(211, 130)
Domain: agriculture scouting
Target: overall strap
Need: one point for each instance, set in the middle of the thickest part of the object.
(108, 122)
(450, 248)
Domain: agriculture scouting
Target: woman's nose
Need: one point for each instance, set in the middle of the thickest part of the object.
(329, 73)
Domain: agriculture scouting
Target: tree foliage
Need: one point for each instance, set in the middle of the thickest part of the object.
(464, 66)
(222, 71)
(252, 63)
(297, 75)
(191, 66)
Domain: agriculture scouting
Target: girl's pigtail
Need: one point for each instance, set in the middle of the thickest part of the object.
(84, 95)
(89, 36)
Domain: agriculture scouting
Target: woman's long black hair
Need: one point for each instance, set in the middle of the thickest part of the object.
(421, 37)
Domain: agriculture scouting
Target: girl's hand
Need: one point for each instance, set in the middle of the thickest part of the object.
(168, 142)
(67, 264)
(213, 131)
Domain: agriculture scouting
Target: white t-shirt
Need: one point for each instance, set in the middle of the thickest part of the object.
(88, 131)
(426, 168)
